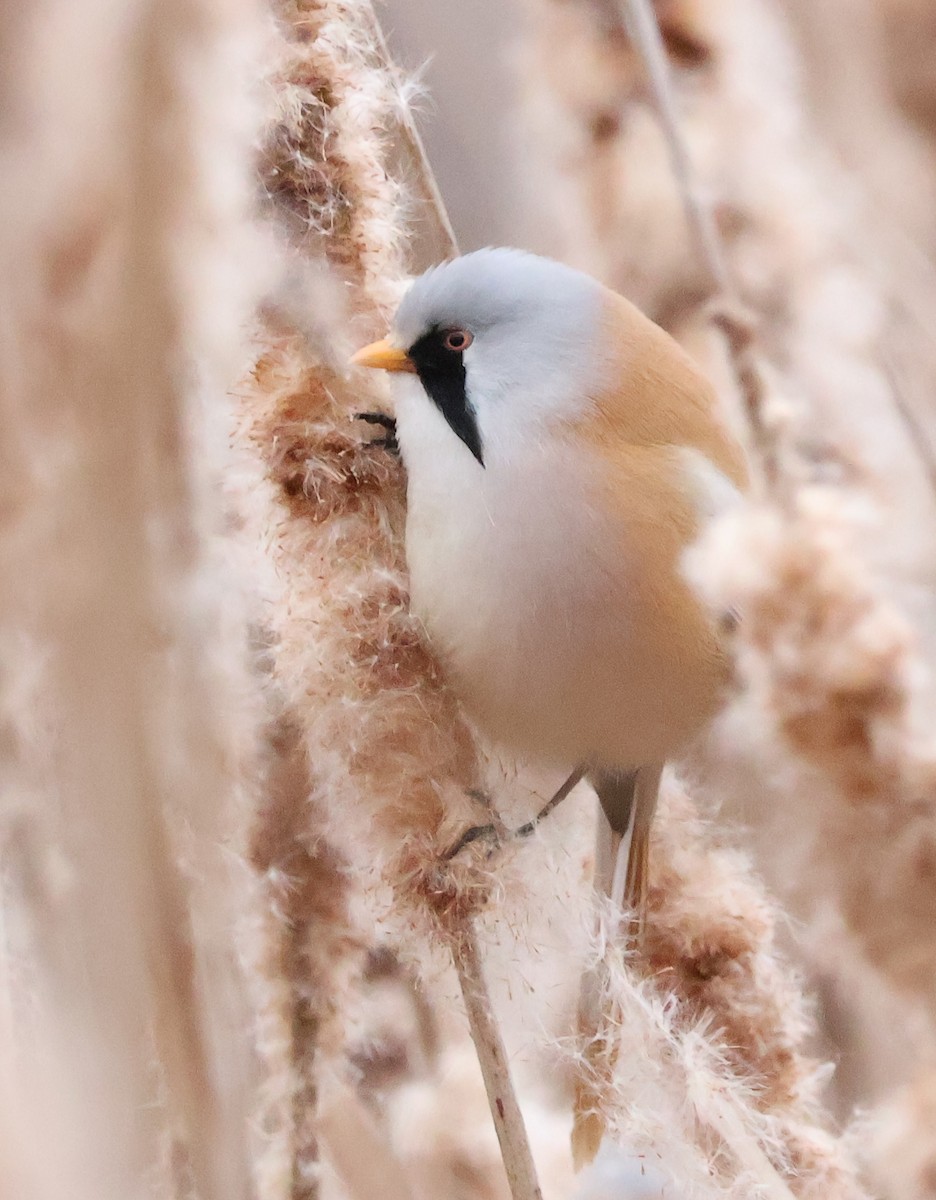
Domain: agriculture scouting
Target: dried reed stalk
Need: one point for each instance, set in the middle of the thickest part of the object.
(642, 25)
(392, 759)
(340, 514)
(832, 639)
(107, 600)
(582, 72)
(833, 624)
(508, 1120)
(703, 1071)
(859, 669)
(713, 945)
(304, 944)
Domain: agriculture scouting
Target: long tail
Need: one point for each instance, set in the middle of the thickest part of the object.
(628, 800)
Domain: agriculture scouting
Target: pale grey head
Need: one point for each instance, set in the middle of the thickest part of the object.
(501, 339)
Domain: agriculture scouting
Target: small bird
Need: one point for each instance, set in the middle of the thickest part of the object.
(562, 451)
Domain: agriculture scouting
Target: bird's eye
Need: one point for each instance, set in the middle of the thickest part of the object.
(457, 340)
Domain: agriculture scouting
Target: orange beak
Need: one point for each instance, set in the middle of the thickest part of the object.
(383, 357)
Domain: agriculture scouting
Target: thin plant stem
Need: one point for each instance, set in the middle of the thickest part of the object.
(640, 23)
(525, 830)
(644, 31)
(373, 242)
(424, 175)
(492, 1057)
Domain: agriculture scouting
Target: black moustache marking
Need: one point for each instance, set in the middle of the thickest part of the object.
(442, 373)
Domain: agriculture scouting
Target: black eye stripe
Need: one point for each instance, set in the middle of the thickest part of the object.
(442, 373)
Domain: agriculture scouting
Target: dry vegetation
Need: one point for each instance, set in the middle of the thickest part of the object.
(235, 960)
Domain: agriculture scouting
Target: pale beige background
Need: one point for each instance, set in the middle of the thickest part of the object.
(462, 54)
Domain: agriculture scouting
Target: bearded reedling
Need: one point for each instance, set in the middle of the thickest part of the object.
(562, 452)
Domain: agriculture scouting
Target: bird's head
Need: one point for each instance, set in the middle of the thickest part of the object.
(501, 342)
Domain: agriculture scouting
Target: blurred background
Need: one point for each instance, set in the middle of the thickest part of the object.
(216, 979)
(469, 113)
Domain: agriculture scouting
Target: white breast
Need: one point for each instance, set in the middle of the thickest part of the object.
(521, 586)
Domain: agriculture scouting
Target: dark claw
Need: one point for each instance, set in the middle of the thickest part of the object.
(377, 418)
(489, 831)
(389, 441)
(472, 835)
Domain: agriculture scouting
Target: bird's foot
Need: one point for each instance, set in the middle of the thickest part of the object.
(389, 441)
(553, 802)
(474, 834)
(495, 835)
